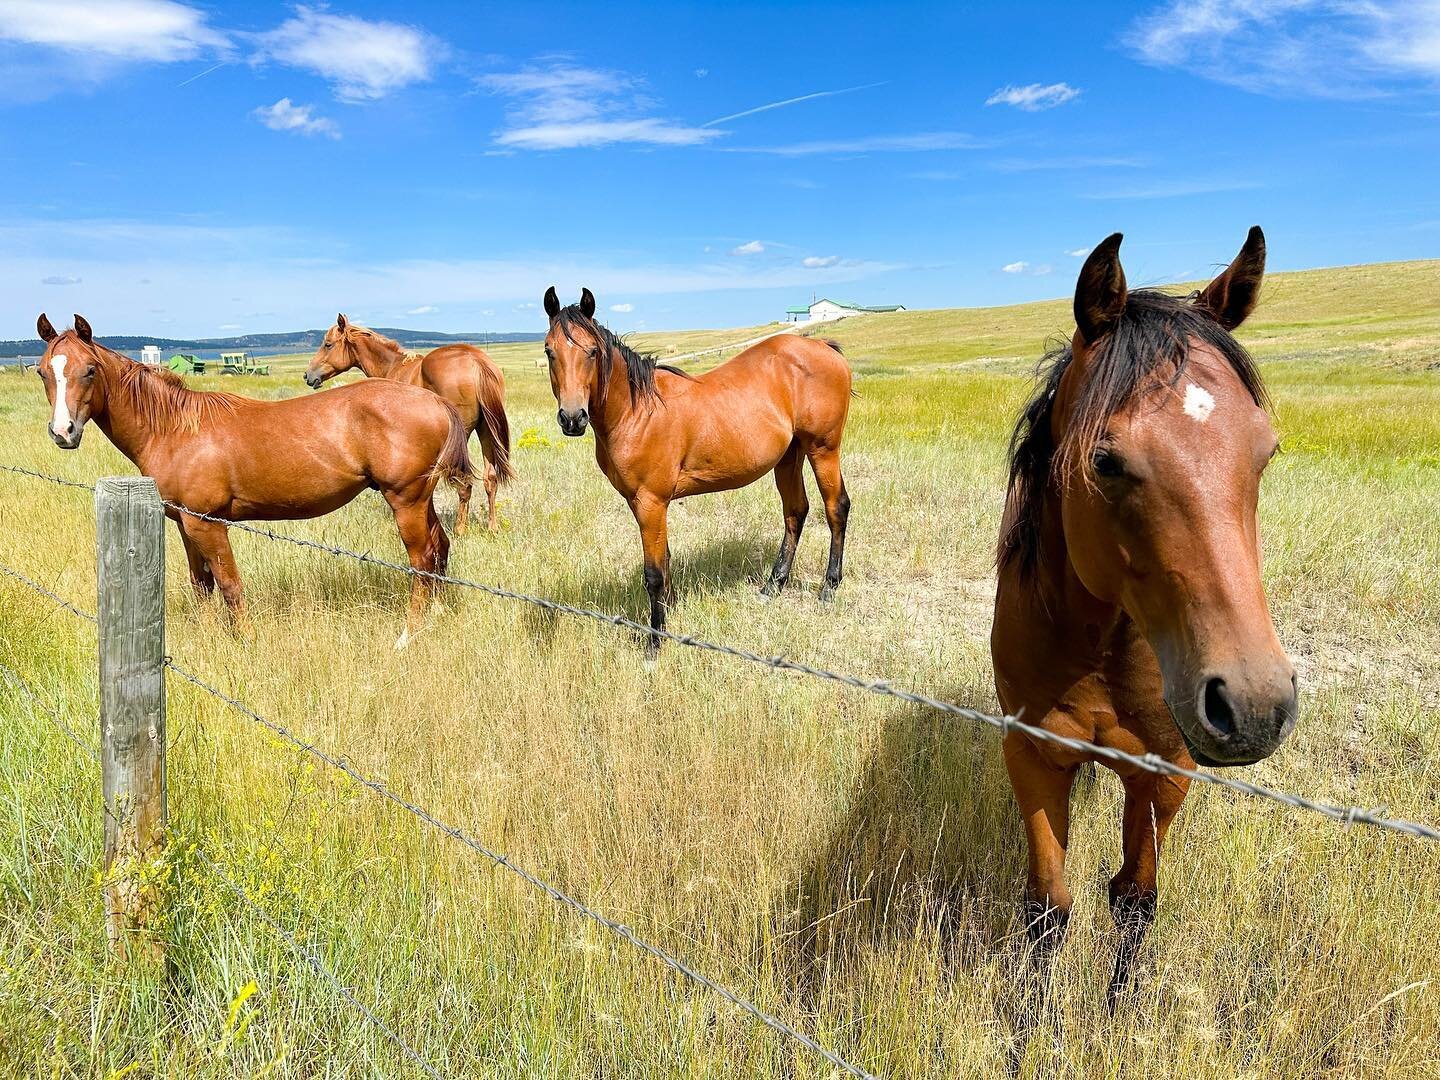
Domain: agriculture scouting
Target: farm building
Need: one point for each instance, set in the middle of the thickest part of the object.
(823, 310)
(150, 354)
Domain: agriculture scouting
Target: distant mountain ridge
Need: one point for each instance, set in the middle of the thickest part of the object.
(298, 340)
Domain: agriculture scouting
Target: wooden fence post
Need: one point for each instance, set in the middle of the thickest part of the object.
(130, 569)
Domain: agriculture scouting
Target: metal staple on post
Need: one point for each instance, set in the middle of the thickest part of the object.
(130, 580)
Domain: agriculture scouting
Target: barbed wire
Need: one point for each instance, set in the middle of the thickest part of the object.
(312, 958)
(16, 680)
(54, 597)
(504, 861)
(1151, 763)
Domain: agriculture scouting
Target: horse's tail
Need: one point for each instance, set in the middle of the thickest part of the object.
(494, 426)
(833, 344)
(453, 464)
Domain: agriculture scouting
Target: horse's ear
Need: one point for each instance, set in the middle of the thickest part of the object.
(1233, 295)
(44, 329)
(1101, 292)
(587, 303)
(341, 323)
(552, 302)
(83, 329)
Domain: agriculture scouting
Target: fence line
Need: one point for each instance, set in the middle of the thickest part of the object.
(1151, 763)
(727, 348)
(559, 896)
(16, 680)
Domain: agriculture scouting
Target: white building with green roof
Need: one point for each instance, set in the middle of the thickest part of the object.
(825, 310)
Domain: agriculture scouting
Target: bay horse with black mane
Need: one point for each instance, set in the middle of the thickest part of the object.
(1130, 611)
(463, 375)
(662, 434)
(240, 459)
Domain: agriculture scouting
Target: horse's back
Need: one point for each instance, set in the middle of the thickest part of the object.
(463, 375)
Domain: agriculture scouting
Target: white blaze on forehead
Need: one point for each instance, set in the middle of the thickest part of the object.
(1199, 403)
(61, 420)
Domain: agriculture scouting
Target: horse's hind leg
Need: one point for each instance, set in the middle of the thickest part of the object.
(1151, 803)
(426, 545)
(790, 480)
(825, 460)
(492, 486)
(202, 579)
(464, 490)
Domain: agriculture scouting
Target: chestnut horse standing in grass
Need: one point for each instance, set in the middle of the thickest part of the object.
(662, 434)
(463, 375)
(241, 459)
(1130, 611)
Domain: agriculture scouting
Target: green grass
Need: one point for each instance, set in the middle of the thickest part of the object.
(852, 865)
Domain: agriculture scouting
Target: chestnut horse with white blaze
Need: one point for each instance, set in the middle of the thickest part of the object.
(662, 434)
(240, 459)
(1130, 611)
(463, 375)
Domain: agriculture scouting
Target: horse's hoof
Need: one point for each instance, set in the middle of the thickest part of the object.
(764, 596)
(650, 663)
(827, 594)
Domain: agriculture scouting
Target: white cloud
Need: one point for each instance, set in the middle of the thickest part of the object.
(1078, 253)
(1015, 267)
(363, 59)
(423, 309)
(751, 247)
(819, 262)
(1035, 96)
(60, 279)
(564, 106)
(1296, 48)
(700, 73)
(622, 309)
(285, 115)
(866, 144)
(158, 30)
(232, 326)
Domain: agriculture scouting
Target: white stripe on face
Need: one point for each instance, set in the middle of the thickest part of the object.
(60, 423)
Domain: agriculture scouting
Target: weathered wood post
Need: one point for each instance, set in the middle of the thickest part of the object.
(130, 568)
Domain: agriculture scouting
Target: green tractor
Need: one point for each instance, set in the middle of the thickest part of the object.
(241, 363)
(185, 364)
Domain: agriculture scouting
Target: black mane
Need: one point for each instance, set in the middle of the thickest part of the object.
(1154, 333)
(640, 367)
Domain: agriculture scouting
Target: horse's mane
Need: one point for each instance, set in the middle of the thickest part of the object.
(1149, 345)
(159, 396)
(389, 343)
(640, 367)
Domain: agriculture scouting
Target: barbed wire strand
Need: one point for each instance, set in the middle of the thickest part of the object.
(558, 895)
(1151, 763)
(17, 681)
(312, 958)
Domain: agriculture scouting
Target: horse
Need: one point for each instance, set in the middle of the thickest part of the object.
(463, 375)
(240, 459)
(663, 434)
(1129, 610)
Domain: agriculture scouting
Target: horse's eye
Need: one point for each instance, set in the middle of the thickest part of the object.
(1106, 463)
(90, 372)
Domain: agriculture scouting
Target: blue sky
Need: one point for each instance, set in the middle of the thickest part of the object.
(181, 169)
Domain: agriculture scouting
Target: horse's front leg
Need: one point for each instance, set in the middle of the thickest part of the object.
(651, 515)
(1151, 803)
(212, 541)
(1043, 792)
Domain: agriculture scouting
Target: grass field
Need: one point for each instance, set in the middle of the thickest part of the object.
(852, 865)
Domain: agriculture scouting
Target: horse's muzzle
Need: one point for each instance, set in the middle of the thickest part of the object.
(1241, 719)
(68, 439)
(573, 422)
(314, 379)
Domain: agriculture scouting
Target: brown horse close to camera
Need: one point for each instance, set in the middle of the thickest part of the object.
(463, 375)
(662, 434)
(240, 459)
(1130, 611)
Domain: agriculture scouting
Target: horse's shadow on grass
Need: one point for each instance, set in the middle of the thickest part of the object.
(713, 566)
(928, 853)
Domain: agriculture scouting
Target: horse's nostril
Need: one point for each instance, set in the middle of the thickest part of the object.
(1219, 712)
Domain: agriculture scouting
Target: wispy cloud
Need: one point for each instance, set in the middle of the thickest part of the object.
(919, 142)
(423, 309)
(1174, 189)
(1015, 267)
(819, 262)
(361, 58)
(1029, 269)
(1297, 48)
(60, 279)
(790, 101)
(155, 30)
(1078, 253)
(752, 247)
(1070, 162)
(1035, 97)
(285, 115)
(563, 106)
(622, 309)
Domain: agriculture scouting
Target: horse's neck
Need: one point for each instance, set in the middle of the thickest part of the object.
(379, 362)
(1069, 606)
(120, 419)
(609, 414)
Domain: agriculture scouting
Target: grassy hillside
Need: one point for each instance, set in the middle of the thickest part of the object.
(852, 865)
